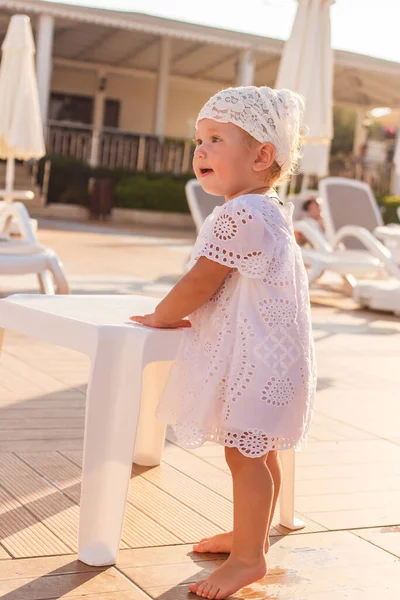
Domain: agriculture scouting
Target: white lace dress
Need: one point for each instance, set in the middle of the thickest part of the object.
(245, 372)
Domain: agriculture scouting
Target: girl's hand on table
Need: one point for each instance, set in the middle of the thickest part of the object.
(151, 321)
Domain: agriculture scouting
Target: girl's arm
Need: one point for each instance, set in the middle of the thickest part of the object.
(189, 294)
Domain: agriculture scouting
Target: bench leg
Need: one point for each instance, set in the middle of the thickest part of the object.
(150, 435)
(46, 283)
(286, 497)
(112, 413)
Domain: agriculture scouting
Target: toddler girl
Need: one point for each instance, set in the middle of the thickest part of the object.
(245, 374)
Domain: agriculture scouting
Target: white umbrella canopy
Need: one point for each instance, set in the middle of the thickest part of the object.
(395, 180)
(306, 67)
(21, 129)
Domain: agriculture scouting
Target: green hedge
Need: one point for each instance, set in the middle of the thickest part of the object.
(389, 206)
(69, 183)
(150, 192)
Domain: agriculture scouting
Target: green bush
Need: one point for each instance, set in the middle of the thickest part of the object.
(68, 180)
(165, 193)
(69, 183)
(75, 194)
(338, 162)
(389, 206)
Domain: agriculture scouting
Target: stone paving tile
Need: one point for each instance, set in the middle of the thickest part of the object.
(387, 538)
(300, 567)
(110, 583)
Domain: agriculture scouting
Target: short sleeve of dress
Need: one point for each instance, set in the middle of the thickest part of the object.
(239, 237)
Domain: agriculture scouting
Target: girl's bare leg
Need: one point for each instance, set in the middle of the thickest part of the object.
(223, 541)
(273, 463)
(253, 492)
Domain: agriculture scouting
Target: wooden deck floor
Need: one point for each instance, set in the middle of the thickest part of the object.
(348, 477)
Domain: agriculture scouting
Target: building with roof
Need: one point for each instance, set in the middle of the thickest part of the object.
(112, 83)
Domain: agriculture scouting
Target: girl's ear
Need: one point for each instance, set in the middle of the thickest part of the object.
(265, 157)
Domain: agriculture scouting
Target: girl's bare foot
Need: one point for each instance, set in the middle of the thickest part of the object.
(228, 579)
(219, 543)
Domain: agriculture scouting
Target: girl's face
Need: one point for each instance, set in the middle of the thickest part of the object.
(223, 162)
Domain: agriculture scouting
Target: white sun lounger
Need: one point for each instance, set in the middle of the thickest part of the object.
(348, 202)
(379, 295)
(201, 203)
(18, 257)
(130, 364)
(26, 255)
(374, 260)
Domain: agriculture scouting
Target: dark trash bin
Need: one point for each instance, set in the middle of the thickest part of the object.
(101, 197)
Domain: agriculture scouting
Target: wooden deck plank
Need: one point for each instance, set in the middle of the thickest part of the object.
(24, 411)
(22, 534)
(186, 524)
(33, 376)
(163, 508)
(66, 398)
(348, 471)
(4, 554)
(199, 469)
(8, 435)
(207, 474)
(348, 501)
(74, 456)
(19, 385)
(325, 486)
(58, 470)
(194, 495)
(139, 530)
(40, 445)
(43, 500)
(44, 423)
(378, 516)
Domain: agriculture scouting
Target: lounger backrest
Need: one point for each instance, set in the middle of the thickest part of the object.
(201, 203)
(348, 202)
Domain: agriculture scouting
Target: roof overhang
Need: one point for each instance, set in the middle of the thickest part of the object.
(128, 42)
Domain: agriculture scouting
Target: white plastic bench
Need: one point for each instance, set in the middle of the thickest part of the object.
(129, 367)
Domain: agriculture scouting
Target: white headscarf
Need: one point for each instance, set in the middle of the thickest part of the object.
(267, 115)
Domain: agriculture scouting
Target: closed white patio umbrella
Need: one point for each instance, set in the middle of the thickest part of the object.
(21, 130)
(306, 67)
(395, 183)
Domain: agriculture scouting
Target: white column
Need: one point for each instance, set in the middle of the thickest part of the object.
(98, 118)
(162, 87)
(245, 68)
(360, 131)
(44, 52)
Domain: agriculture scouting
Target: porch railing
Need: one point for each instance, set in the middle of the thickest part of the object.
(116, 149)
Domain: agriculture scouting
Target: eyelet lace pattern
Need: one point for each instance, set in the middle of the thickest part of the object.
(245, 374)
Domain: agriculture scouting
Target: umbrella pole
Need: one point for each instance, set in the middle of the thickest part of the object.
(10, 176)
